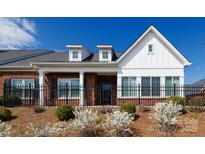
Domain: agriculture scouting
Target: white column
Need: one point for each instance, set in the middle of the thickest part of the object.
(81, 88)
(119, 85)
(162, 86)
(181, 83)
(41, 89)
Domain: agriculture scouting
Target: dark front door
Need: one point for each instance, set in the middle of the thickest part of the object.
(105, 93)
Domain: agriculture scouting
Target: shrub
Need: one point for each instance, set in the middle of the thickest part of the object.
(166, 114)
(5, 129)
(196, 104)
(65, 112)
(117, 123)
(10, 100)
(128, 107)
(177, 100)
(85, 122)
(5, 114)
(48, 129)
(37, 109)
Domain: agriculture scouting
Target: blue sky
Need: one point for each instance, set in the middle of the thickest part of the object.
(186, 34)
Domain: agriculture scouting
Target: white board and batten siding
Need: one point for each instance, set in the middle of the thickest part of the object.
(161, 62)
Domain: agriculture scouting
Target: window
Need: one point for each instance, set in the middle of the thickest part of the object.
(68, 88)
(150, 86)
(170, 90)
(129, 87)
(75, 54)
(22, 87)
(150, 47)
(105, 54)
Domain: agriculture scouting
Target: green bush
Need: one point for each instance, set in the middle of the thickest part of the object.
(178, 100)
(5, 114)
(129, 108)
(196, 104)
(65, 112)
(10, 101)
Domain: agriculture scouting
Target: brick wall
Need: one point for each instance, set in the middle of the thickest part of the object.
(15, 75)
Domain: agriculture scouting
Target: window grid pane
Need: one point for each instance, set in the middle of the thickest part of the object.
(105, 54)
(155, 86)
(145, 86)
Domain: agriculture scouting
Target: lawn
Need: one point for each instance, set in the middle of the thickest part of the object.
(144, 125)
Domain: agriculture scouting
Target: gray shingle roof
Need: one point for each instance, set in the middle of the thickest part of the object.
(24, 58)
(12, 56)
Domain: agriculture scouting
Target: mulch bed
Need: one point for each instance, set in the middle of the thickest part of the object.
(189, 124)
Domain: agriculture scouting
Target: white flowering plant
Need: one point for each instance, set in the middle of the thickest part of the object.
(48, 129)
(166, 114)
(5, 129)
(117, 123)
(85, 121)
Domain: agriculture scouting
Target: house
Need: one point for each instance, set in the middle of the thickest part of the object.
(83, 77)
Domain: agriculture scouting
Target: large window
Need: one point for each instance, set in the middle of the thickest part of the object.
(150, 86)
(129, 87)
(23, 88)
(68, 88)
(170, 82)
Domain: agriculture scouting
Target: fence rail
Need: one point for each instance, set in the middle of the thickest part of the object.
(103, 94)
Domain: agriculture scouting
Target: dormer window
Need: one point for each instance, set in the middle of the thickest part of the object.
(150, 48)
(75, 54)
(105, 54)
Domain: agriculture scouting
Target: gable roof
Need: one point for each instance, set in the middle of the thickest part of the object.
(163, 39)
(11, 56)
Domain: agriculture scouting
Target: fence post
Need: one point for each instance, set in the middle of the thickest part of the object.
(174, 89)
(66, 93)
(138, 88)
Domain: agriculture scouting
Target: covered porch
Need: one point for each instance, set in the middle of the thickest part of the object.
(83, 88)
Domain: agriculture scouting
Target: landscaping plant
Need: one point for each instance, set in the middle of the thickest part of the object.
(196, 104)
(85, 121)
(5, 129)
(179, 101)
(10, 101)
(65, 112)
(128, 107)
(117, 123)
(166, 115)
(48, 129)
(38, 109)
(5, 114)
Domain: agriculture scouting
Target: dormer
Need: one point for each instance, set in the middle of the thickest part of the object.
(105, 53)
(77, 52)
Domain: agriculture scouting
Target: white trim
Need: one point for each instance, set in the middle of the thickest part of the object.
(163, 39)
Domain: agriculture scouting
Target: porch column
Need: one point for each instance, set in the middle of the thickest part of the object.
(181, 84)
(41, 88)
(162, 86)
(81, 88)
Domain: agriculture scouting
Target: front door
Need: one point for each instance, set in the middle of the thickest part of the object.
(106, 91)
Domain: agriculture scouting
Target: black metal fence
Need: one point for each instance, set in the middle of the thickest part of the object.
(103, 94)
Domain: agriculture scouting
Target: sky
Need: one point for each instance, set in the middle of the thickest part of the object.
(186, 34)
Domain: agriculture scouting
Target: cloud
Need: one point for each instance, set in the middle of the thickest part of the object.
(17, 33)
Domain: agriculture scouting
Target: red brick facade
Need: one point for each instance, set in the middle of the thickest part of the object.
(92, 85)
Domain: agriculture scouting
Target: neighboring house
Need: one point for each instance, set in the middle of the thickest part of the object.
(97, 78)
